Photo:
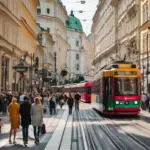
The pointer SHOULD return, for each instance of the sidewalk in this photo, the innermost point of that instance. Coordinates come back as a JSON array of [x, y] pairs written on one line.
[[51, 123], [61, 138]]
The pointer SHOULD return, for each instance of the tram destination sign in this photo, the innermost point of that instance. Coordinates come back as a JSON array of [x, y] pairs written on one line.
[[125, 73]]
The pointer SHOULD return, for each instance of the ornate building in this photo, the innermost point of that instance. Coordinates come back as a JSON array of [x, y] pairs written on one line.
[[52, 16], [116, 32], [145, 40], [17, 36], [77, 56], [104, 35]]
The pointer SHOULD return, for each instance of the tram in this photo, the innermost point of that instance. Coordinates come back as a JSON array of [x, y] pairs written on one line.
[[84, 89], [117, 89]]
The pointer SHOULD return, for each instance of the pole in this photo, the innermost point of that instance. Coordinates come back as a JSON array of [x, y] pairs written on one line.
[[55, 66], [147, 59], [31, 72], [20, 85]]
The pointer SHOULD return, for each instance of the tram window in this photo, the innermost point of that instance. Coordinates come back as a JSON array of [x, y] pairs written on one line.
[[126, 86], [89, 90]]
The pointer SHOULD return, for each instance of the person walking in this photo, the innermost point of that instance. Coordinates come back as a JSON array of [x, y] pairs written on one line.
[[13, 110], [77, 98], [25, 112], [52, 105], [143, 98], [61, 101], [37, 118], [70, 103]]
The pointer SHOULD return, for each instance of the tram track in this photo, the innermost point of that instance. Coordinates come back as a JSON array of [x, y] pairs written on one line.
[[132, 136], [122, 141], [110, 139], [91, 141]]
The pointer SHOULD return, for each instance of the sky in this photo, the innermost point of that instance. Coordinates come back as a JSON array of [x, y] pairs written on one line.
[[89, 9]]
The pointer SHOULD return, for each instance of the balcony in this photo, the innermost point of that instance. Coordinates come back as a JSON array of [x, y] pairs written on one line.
[[114, 3]]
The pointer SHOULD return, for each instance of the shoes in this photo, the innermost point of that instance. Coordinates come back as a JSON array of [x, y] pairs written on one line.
[[14, 142], [10, 142]]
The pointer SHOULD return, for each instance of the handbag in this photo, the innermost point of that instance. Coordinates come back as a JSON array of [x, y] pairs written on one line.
[[43, 129]]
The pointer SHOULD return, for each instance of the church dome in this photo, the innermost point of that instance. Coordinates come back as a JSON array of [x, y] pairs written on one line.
[[74, 23]]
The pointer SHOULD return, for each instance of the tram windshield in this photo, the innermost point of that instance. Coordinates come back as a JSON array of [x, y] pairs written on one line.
[[126, 86]]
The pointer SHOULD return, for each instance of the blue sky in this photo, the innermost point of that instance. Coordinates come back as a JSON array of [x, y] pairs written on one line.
[[89, 8]]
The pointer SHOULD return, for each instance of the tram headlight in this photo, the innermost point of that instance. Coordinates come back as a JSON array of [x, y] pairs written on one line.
[[136, 102], [117, 102]]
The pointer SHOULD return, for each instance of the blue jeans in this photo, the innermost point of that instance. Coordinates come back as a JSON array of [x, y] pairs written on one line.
[[37, 131], [25, 133]]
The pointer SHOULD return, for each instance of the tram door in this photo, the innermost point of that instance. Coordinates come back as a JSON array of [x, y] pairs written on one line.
[[105, 92]]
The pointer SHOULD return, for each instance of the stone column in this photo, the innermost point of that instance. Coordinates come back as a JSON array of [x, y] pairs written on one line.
[[10, 74]]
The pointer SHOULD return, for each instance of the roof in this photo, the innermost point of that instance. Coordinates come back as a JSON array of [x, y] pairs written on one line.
[[74, 23]]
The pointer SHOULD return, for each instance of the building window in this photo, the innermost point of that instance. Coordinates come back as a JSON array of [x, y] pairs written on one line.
[[145, 42], [77, 43], [38, 10], [48, 29], [145, 12], [77, 56], [48, 11], [77, 67]]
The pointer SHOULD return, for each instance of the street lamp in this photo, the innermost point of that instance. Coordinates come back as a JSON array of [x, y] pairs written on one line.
[[21, 68]]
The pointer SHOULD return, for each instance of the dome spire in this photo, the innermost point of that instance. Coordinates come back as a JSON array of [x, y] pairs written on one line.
[[71, 14]]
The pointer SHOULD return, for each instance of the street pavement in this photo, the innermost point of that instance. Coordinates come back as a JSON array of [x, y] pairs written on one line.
[[85, 130], [51, 122]]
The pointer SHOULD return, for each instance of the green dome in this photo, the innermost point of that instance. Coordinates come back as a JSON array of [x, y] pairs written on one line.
[[59, 1], [74, 23]]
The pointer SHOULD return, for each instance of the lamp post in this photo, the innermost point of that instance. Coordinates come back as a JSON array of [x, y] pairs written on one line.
[[21, 68]]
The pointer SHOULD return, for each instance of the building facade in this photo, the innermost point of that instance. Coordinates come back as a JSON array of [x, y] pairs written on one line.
[[18, 36], [77, 56], [52, 16], [116, 32], [145, 40], [104, 35], [9, 41]]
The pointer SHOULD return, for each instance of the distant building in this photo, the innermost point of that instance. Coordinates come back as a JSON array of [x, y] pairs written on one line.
[[52, 16], [78, 54]]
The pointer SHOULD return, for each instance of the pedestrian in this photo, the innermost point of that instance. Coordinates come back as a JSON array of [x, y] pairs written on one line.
[[61, 100], [143, 98], [13, 110], [77, 98], [25, 112], [1, 104], [4, 104], [37, 118], [52, 105], [70, 103], [21, 98]]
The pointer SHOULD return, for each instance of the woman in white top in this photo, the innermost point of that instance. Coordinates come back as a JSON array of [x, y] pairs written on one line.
[[37, 118]]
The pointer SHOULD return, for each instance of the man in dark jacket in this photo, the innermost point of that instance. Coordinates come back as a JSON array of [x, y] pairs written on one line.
[[77, 98], [70, 103], [24, 111]]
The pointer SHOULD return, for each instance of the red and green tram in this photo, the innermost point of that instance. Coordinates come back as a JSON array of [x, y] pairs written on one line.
[[117, 90]]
